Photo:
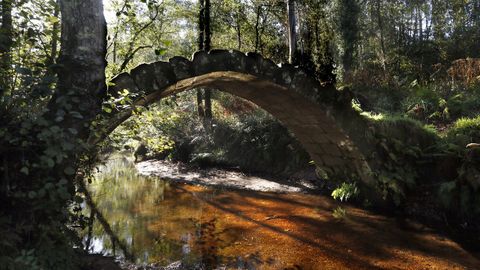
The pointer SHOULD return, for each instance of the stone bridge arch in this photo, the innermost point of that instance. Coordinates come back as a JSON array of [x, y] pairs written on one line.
[[321, 118]]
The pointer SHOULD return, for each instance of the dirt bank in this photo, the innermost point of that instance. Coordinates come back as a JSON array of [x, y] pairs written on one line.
[[213, 177]]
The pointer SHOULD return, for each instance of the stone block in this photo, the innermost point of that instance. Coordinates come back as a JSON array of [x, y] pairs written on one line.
[[218, 60], [285, 75], [253, 64], [320, 139], [237, 61], [182, 67], [331, 149], [268, 69], [334, 162], [121, 82], [201, 63], [164, 75], [144, 77]]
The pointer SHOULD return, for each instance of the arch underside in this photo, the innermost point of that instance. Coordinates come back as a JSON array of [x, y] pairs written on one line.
[[287, 93]]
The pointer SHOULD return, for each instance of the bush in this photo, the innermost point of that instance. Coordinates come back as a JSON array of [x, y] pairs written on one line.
[[464, 131], [400, 145], [257, 142], [345, 192], [462, 195]]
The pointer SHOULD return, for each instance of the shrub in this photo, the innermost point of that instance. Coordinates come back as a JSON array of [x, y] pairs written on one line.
[[461, 196], [400, 145], [345, 192], [464, 131]]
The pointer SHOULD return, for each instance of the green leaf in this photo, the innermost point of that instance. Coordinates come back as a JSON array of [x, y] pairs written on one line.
[[76, 114], [53, 19], [78, 199], [41, 193], [160, 51], [107, 109], [32, 194], [69, 171], [67, 146], [24, 170], [50, 162], [73, 131]]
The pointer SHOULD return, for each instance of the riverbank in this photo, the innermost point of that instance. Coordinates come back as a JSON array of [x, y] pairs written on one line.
[[230, 179]]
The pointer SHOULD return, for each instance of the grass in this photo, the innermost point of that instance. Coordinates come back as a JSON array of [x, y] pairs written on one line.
[[464, 131]]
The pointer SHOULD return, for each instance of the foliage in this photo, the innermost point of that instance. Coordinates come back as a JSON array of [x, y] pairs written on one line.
[[39, 154], [465, 131], [461, 195], [144, 31], [401, 144], [40, 203], [241, 135], [339, 213], [345, 192], [149, 128], [437, 103], [416, 59]]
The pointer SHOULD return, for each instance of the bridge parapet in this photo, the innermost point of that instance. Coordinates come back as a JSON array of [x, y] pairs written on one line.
[[156, 76]]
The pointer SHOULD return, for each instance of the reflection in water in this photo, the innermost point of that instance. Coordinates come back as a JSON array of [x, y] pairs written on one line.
[[161, 222], [157, 221]]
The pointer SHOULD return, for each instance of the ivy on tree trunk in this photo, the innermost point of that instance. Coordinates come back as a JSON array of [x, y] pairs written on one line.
[[6, 42], [81, 80]]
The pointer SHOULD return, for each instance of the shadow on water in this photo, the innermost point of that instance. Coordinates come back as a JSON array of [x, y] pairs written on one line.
[[148, 220]]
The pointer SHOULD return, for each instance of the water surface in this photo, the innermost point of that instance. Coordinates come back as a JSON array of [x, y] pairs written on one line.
[[160, 222]]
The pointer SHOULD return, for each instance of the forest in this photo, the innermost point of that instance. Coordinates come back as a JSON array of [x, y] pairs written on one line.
[[239, 134]]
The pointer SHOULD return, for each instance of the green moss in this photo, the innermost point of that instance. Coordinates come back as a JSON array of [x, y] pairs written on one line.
[[407, 130], [464, 131], [468, 126]]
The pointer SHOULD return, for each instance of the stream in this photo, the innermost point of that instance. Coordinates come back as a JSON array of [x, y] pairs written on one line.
[[185, 223]]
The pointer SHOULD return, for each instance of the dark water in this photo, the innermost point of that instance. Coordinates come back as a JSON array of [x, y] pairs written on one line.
[[156, 222]]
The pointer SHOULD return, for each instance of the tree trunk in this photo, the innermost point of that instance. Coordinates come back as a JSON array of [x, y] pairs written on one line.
[[201, 111], [238, 28], [207, 46], [208, 31], [348, 26], [382, 39], [55, 37], [201, 29], [257, 30], [208, 104], [81, 81], [6, 32], [291, 30], [201, 24]]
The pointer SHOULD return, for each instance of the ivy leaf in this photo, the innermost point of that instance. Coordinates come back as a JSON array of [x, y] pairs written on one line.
[[76, 114], [69, 171], [32, 194], [107, 109], [50, 162], [24, 170], [53, 19], [78, 199], [160, 51]]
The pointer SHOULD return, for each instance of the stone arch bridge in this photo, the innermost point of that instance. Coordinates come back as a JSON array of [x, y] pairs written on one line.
[[321, 118]]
